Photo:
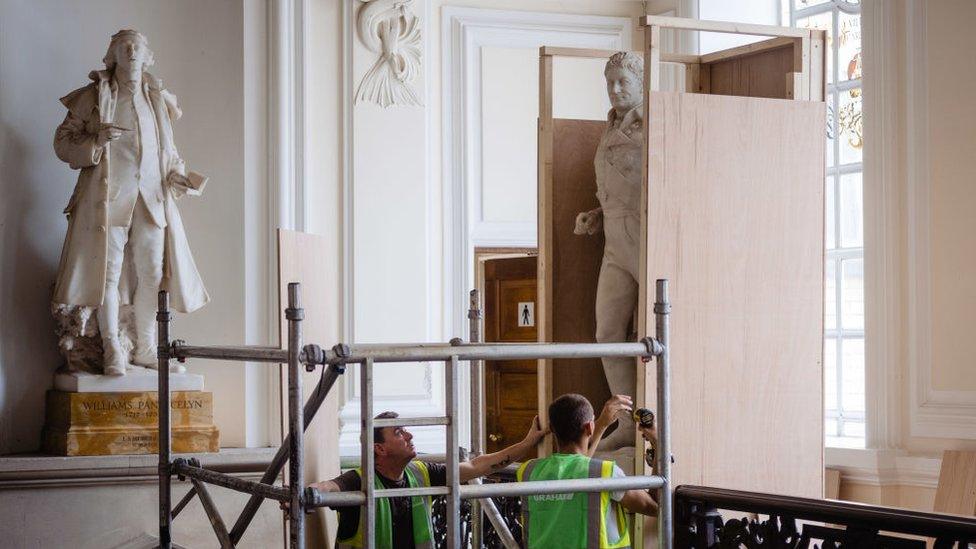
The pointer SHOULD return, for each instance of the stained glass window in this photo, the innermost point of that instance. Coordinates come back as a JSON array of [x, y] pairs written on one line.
[[844, 235]]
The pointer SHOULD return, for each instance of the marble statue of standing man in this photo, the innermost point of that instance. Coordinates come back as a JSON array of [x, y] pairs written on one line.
[[618, 180], [125, 239]]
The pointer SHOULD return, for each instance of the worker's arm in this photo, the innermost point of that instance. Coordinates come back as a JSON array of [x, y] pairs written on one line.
[[346, 482], [489, 463], [639, 501], [616, 405], [650, 435], [326, 486]]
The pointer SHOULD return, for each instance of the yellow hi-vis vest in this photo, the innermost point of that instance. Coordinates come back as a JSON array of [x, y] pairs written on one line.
[[420, 506], [571, 521]]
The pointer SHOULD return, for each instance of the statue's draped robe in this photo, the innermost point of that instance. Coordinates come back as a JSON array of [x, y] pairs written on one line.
[[81, 273]]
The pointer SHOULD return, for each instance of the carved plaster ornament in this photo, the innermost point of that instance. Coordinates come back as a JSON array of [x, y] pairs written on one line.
[[389, 28]]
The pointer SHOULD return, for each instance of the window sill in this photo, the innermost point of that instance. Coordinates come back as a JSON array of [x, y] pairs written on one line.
[[32, 470], [884, 467]]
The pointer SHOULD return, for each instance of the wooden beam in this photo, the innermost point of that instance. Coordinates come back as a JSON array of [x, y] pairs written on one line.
[[682, 23], [679, 58], [693, 78], [748, 49], [545, 259], [652, 58], [817, 60], [575, 52]]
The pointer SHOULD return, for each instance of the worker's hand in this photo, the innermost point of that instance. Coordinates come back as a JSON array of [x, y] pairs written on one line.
[[536, 432], [618, 404], [649, 434], [590, 222]]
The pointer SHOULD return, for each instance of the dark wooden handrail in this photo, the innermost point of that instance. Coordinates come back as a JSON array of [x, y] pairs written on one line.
[[854, 516]]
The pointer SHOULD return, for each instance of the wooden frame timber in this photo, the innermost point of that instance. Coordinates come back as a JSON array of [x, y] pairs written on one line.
[[689, 198]]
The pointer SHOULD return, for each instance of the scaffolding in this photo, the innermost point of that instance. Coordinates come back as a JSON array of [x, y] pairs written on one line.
[[300, 498]]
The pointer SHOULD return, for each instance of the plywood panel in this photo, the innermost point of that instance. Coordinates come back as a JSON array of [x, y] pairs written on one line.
[[760, 74], [735, 221], [956, 492], [303, 258], [575, 258]]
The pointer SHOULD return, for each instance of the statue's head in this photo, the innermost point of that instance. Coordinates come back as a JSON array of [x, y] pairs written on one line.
[[625, 80], [129, 52]]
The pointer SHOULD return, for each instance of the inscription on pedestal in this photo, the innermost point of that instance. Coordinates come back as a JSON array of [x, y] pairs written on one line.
[[88, 424]]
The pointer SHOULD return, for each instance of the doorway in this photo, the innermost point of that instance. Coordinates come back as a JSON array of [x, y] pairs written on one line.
[[508, 282]]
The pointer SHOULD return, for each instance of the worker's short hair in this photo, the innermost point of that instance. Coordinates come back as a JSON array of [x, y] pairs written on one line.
[[567, 416], [378, 431]]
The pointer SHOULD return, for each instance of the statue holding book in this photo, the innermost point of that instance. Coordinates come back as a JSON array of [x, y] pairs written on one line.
[[125, 238]]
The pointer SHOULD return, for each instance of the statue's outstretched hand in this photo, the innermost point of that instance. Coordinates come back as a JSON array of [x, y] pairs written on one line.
[[107, 134], [590, 222]]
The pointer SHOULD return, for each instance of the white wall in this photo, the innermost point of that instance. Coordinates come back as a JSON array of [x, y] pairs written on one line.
[[918, 249], [47, 49], [510, 109], [940, 388], [764, 12], [105, 515]]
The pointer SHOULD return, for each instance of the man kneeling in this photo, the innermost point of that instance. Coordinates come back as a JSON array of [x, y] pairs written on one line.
[[405, 522], [580, 520]]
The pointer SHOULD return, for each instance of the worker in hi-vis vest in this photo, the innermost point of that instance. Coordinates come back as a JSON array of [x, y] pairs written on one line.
[[405, 522], [593, 520]]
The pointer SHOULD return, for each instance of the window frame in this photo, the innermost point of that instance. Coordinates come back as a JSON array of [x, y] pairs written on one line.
[[835, 254]]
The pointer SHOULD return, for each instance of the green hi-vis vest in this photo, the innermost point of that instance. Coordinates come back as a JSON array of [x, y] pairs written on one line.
[[571, 521], [423, 529]]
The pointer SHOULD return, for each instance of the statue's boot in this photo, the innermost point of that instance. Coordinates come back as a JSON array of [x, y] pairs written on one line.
[[114, 357], [622, 378], [145, 355]]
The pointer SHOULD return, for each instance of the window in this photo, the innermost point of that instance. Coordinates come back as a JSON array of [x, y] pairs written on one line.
[[844, 288]]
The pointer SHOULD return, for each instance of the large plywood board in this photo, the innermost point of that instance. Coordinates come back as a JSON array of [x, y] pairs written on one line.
[[303, 258], [735, 221], [956, 492], [573, 260]]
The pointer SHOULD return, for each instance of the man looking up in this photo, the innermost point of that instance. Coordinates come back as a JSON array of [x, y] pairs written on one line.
[[405, 522], [579, 520]]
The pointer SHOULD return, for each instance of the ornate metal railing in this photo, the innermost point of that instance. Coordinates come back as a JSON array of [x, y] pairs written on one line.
[[509, 507], [793, 523]]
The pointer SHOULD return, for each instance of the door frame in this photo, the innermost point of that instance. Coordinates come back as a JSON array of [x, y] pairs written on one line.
[[478, 414]]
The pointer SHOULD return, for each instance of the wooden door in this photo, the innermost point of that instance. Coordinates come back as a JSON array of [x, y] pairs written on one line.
[[510, 385]]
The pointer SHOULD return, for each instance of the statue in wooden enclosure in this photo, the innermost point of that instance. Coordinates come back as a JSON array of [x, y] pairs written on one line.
[[618, 179]]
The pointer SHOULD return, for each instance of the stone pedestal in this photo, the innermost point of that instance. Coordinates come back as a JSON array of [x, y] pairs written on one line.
[[110, 423]]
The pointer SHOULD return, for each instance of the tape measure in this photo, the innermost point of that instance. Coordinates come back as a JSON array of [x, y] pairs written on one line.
[[644, 417]]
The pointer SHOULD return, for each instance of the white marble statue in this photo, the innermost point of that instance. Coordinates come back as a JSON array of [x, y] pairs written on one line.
[[618, 180], [125, 239]]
